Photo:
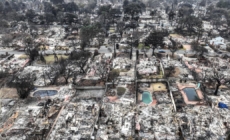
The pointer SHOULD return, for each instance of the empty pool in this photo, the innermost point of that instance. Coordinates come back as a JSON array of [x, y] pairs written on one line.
[[191, 94], [43, 93], [146, 97]]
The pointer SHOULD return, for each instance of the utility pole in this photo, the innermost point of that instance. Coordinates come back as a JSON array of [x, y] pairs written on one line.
[[114, 38], [131, 46]]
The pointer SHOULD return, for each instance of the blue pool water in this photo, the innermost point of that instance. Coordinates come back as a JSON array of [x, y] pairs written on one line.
[[43, 93], [146, 97], [191, 94]]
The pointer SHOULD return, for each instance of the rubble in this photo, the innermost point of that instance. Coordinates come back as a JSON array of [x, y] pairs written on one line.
[[76, 121], [161, 76]]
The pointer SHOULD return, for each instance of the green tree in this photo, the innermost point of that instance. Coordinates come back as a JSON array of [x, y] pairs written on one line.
[[70, 18], [203, 3], [120, 27], [125, 3], [70, 7], [185, 10], [175, 2], [30, 14], [223, 4], [104, 12], [153, 3], [87, 33], [190, 23], [1, 7], [155, 39], [50, 18], [57, 1], [113, 12], [133, 9]]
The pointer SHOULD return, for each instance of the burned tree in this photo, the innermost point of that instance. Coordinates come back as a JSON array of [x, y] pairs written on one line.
[[42, 58], [80, 58], [52, 74], [102, 70], [6, 40], [219, 78], [100, 39], [200, 50], [113, 76], [67, 75], [28, 41], [215, 76], [81, 64], [169, 71], [174, 47], [33, 54], [64, 70], [75, 74], [133, 9], [23, 84], [3, 74], [55, 57]]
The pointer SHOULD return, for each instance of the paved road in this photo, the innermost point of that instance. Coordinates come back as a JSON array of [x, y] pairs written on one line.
[[3, 51], [105, 50], [10, 52]]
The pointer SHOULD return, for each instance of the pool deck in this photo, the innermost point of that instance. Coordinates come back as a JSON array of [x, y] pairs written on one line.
[[154, 87], [198, 91]]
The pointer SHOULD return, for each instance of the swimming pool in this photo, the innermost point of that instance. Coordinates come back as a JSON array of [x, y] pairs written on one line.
[[191, 94], [146, 97], [43, 93]]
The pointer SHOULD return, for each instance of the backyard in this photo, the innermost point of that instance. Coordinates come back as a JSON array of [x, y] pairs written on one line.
[[50, 59]]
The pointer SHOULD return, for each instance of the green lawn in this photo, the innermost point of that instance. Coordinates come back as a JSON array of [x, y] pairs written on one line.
[[120, 91], [50, 58], [141, 45], [23, 56], [111, 30]]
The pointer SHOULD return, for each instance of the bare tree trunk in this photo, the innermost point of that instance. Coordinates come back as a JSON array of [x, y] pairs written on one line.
[[173, 54], [153, 53], [113, 83], [131, 52], [217, 87], [114, 47], [66, 80]]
